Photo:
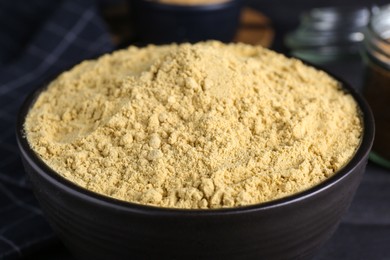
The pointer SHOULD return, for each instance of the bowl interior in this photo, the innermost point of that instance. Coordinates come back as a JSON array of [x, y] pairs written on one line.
[[52, 176]]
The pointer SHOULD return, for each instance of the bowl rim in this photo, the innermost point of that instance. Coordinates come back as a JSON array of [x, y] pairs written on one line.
[[189, 8], [66, 185]]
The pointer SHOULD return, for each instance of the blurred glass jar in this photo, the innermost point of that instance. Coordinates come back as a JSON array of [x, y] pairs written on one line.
[[376, 87], [328, 34]]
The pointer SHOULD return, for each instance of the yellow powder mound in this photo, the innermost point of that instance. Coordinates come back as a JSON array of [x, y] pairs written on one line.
[[195, 126]]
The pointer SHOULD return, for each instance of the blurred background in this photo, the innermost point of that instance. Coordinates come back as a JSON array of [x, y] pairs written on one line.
[[41, 38]]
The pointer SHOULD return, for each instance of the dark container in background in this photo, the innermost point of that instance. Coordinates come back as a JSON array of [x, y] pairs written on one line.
[[376, 53], [161, 23]]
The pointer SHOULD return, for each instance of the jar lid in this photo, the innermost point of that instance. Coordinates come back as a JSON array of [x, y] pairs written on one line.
[[377, 35]]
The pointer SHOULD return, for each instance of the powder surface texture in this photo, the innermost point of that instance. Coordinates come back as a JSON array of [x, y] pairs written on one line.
[[200, 126]]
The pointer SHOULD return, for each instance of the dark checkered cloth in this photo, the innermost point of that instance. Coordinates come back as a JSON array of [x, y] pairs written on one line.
[[38, 39]]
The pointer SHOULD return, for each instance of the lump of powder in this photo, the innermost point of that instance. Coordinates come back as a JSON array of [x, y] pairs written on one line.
[[207, 125]]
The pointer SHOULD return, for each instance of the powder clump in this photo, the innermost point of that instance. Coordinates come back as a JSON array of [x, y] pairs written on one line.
[[208, 125]]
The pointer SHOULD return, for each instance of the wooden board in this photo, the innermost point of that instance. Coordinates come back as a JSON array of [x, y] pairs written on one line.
[[255, 28]]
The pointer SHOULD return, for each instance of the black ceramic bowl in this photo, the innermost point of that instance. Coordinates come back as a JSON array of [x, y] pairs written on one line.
[[93, 226], [160, 23]]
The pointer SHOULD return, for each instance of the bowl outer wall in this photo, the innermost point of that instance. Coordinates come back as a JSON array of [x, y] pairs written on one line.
[[95, 226]]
